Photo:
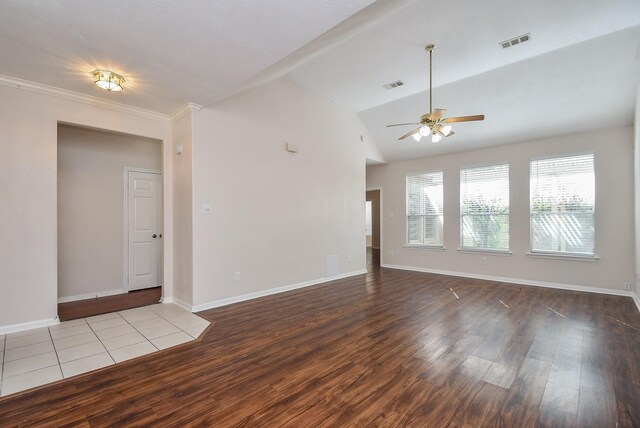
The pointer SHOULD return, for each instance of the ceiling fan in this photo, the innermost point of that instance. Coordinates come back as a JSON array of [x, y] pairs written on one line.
[[433, 123]]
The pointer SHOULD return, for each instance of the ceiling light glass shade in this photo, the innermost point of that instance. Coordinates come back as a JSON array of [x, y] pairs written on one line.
[[108, 80], [446, 130], [417, 136], [436, 137], [424, 131]]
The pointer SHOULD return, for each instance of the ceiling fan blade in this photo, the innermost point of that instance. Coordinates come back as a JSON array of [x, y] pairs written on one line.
[[402, 124], [464, 118], [437, 113], [409, 134]]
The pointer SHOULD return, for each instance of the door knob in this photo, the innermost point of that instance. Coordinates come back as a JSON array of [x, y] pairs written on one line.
[[154, 236]]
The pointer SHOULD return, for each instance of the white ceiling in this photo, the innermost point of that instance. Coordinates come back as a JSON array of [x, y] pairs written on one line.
[[170, 51], [588, 86], [579, 71], [466, 33]]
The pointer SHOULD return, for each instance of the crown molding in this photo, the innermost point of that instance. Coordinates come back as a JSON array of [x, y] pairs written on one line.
[[25, 85], [184, 109]]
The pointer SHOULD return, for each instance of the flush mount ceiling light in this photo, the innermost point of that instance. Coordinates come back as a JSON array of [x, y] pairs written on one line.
[[433, 124], [108, 80]]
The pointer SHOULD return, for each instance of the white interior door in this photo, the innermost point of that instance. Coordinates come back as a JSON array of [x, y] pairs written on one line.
[[144, 230]]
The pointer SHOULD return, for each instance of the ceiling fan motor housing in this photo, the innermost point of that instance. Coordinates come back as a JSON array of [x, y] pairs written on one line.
[[426, 119]]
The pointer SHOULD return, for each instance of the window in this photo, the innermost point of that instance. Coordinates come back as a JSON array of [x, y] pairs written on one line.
[[424, 209], [563, 205], [484, 196]]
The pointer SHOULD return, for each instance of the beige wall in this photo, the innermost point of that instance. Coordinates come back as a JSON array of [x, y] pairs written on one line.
[[276, 215], [28, 191], [183, 210], [374, 197], [91, 206], [613, 150]]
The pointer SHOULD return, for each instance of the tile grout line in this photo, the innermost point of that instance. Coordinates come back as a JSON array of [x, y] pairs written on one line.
[[194, 338], [24, 346], [140, 333], [56, 351], [100, 340]]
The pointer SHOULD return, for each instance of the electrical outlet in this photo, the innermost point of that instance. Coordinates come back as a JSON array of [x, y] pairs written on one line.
[[483, 260], [627, 286], [236, 276]]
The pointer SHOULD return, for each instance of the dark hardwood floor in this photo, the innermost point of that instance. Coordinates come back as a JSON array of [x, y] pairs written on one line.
[[373, 258], [102, 305], [390, 348]]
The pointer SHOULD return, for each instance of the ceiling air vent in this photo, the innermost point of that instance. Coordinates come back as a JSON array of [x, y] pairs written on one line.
[[393, 85], [515, 41]]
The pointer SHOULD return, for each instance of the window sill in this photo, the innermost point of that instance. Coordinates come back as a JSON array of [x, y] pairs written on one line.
[[424, 247], [556, 256], [485, 251]]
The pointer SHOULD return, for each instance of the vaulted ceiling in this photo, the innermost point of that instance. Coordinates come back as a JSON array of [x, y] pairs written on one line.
[[578, 72]]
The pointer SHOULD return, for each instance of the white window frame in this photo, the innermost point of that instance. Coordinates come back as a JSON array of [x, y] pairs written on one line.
[[560, 254], [406, 217]]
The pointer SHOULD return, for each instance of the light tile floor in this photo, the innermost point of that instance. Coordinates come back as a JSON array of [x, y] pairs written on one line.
[[35, 357]]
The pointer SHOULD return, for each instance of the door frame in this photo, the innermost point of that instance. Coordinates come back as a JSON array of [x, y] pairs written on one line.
[[381, 211], [125, 274]]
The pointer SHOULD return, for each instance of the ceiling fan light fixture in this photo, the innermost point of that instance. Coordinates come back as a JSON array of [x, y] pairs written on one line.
[[436, 137], [446, 130], [108, 80], [425, 131], [417, 136]]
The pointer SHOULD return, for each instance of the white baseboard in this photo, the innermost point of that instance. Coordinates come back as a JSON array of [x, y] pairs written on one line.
[[166, 300], [13, 328], [263, 293], [182, 304], [91, 295], [520, 281], [636, 299]]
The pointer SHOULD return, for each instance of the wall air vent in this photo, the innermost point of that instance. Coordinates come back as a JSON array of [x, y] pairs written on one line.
[[515, 41], [393, 85]]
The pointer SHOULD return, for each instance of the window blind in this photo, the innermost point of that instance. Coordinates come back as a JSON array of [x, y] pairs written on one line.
[[425, 209], [562, 193], [484, 195]]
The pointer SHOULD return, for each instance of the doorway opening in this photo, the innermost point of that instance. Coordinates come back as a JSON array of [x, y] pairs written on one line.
[[110, 221], [373, 201]]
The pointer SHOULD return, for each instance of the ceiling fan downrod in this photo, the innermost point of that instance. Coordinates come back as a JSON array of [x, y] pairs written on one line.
[[430, 48]]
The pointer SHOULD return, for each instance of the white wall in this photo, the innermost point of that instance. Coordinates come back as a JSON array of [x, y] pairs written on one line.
[[91, 206], [28, 195], [182, 210], [636, 163], [276, 215], [614, 241]]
